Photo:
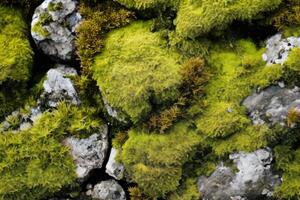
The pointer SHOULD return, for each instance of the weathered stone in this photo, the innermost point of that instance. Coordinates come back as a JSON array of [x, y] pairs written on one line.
[[278, 48], [113, 168], [108, 190], [272, 104], [89, 153], [53, 28], [254, 178], [58, 86]]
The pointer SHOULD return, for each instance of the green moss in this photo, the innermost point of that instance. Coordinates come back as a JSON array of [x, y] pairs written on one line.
[[287, 160], [238, 69], [136, 68], [155, 161], [189, 191], [146, 4], [293, 61], [16, 59], [55, 6], [34, 163], [199, 17], [38, 28]]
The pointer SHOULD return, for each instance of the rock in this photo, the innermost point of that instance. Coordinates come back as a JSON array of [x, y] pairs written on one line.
[[53, 28], [113, 168], [278, 48], [272, 104], [89, 153], [108, 190], [59, 87], [253, 180]]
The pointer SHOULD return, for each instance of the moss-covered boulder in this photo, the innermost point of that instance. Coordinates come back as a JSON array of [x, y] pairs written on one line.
[[155, 161], [15, 58], [199, 17], [137, 70]]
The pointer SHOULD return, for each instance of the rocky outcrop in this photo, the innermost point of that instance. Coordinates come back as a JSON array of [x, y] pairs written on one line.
[[253, 178], [108, 190], [89, 153], [272, 104], [53, 28], [113, 168], [278, 48], [58, 86]]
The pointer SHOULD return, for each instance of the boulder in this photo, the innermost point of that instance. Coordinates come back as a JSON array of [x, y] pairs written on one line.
[[113, 168], [108, 190], [89, 153], [272, 104], [53, 28], [58, 86], [278, 48], [252, 179]]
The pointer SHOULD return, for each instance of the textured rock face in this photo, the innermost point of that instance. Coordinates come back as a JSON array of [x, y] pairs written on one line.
[[272, 104], [254, 178], [53, 28], [113, 168], [278, 48], [108, 190], [89, 153], [59, 87]]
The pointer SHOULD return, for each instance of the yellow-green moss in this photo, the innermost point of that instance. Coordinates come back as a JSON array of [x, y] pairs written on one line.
[[136, 70]]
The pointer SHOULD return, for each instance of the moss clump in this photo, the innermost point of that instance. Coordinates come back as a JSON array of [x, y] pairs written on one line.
[[146, 4], [189, 191], [238, 70], [199, 17], [136, 70], [293, 61], [55, 6], [155, 161], [16, 58], [34, 163]]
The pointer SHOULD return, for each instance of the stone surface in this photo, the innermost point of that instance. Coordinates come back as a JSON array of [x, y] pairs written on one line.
[[272, 104], [89, 153], [55, 36], [113, 168], [278, 48], [253, 179], [108, 190], [58, 86]]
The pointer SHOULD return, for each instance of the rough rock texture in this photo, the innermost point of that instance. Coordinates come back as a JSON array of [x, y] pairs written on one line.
[[108, 190], [53, 28], [89, 153], [272, 104], [56, 87], [113, 168], [278, 48], [59, 87], [254, 178]]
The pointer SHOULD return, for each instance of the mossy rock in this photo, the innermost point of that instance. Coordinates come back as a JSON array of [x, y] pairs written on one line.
[[137, 70], [16, 59], [155, 161], [199, 17]]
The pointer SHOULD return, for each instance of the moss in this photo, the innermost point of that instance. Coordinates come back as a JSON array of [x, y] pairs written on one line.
[[155, 161], [55, 6], [287, 160], [189, 191], [146, 4], [238, 69], [39, 29], [195, 18], [16, 59], [35, 160], [137, 69], [293, 60]]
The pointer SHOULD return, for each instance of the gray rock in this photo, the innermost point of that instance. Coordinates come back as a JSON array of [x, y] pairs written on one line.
[[272, 104], [89, 153], [108, 190], [278, 48], [254, 178], [113, 168], [53, 28], [58, 86]]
